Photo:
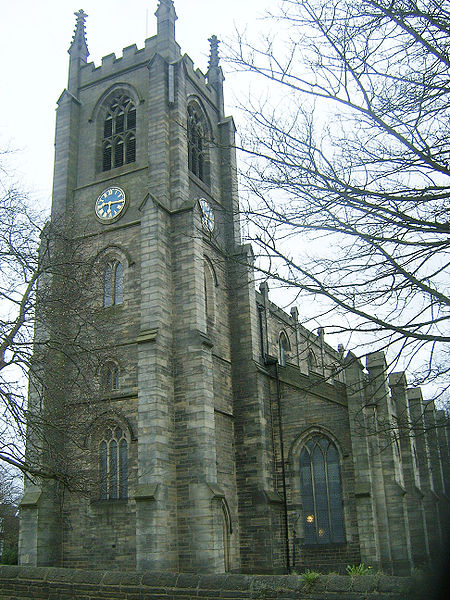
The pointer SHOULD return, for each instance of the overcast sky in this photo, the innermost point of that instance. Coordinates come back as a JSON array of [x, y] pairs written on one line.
[[35, 36]]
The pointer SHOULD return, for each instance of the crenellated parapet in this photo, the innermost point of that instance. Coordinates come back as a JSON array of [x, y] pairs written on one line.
[[133, 58], [83, 74]]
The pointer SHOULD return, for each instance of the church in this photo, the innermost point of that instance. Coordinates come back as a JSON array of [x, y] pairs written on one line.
[[224, 435]]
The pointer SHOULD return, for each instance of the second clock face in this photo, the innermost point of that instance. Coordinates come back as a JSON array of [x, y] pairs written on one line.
[[207, 215], [110, 204]]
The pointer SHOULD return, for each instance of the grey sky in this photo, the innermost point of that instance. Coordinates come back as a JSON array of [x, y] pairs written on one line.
[[35, 36]]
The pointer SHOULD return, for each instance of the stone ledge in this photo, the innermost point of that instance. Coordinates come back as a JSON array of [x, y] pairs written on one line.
[[146, 491], [147, 336], [31, 497], [27, 583]]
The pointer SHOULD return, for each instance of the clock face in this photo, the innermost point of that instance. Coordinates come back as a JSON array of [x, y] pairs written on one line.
[[110, 204], [207, 215]]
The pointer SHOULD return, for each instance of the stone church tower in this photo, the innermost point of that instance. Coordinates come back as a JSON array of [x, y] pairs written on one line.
[[223, 436]]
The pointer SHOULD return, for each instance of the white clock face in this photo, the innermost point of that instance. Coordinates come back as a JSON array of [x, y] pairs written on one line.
[[207, 215], [110, 205]]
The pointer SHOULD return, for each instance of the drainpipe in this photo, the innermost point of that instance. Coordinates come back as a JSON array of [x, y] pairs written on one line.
[[283, 470]]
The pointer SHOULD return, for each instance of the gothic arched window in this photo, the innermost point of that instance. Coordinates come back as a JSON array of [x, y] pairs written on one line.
[[226, 529], [119, 133], [113, 464], [283, 348], [320, 487], [312, 362], [196, 142], [113, 284], [111, 376], [210, 283]]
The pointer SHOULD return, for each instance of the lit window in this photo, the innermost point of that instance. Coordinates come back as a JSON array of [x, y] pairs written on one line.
[[320, 485], [113, 284], [119, 134], [113, 464]]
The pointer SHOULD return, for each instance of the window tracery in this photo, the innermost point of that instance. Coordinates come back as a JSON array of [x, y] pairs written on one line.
[[196, 142], [320, 486], [113, 284], [119, 133], [111, 374], [113, 453]]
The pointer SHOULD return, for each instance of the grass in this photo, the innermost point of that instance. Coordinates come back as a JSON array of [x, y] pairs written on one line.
[[357, 570]]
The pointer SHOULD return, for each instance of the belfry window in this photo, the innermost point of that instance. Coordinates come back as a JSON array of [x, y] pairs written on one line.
[[320, 486], [113, 464], [196, 138], [119, 134], [113, 284]]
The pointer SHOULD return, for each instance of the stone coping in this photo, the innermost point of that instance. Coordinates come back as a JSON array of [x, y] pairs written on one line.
[[23, 580]]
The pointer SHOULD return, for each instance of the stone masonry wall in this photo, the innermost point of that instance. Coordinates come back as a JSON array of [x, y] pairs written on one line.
[[23, 583], [305, 411]]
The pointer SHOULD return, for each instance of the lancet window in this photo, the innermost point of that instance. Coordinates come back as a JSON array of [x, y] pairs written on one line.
[[111, 376], [210, 293], [113, 284], [312, 362], [283, 348]]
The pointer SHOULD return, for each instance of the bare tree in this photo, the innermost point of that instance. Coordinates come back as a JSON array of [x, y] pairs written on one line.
[[349, 169], [50, 347], [10, 492]]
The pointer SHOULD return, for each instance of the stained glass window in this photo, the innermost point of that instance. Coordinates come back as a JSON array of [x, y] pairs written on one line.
[[321, 492]]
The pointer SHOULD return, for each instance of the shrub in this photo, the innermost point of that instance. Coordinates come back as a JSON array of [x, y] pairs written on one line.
[[9, 555], [309, 577], [360, 569]]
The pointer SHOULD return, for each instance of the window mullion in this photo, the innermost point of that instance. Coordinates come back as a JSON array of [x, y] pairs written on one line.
[[330, 521], [113, 283], [313, 485], [118, 469], [108, 471]]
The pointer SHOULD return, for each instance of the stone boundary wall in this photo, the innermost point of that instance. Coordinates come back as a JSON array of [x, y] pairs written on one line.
[[45, 583]]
